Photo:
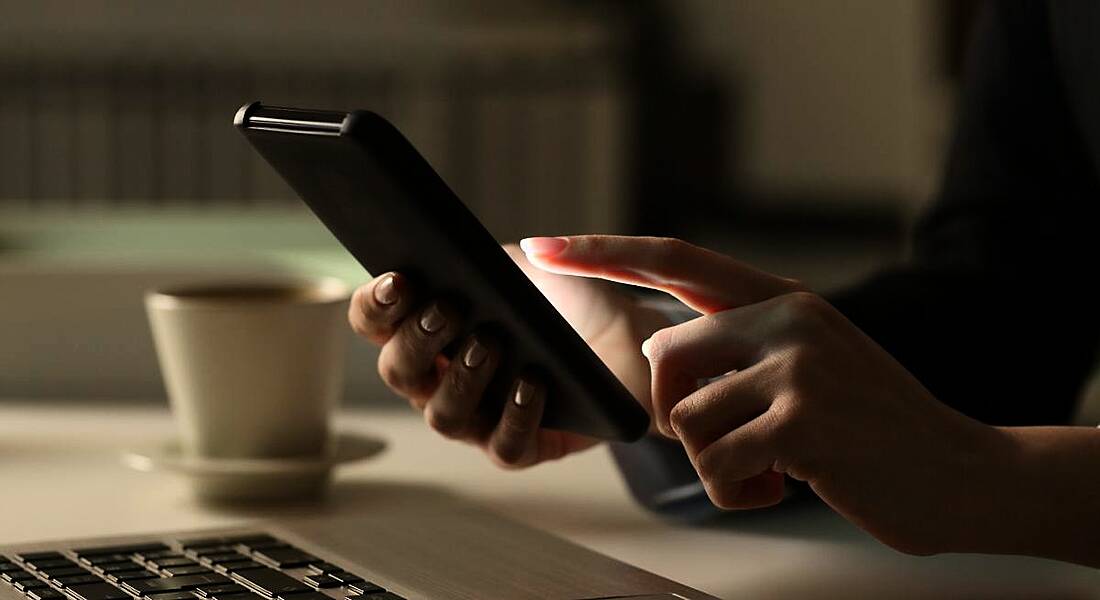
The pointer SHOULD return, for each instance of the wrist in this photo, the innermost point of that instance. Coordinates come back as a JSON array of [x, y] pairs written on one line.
[[988, 494], [1046, 504], [972, 485]]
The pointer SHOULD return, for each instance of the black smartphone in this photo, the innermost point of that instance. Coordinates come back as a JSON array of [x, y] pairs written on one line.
[[392, 212]]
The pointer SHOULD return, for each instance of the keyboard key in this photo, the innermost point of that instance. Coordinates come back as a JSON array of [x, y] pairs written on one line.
[[271, 582], [324, 567], [63, 572], [381, 596], [45, 594], [238, 596], [224, 557], [174, 584], [30, 584], [181, 561], [185, 570], [345, 577], [365, 587], [306, 596], [263, 544], [49, 563], [128, 549], [131, 575], [97, 591], [33, 556], [156, 554], [323, 581], [285, 558], [72, 580], [243, 565], [170, 596], [214, 550], [14, 576], [96, 560], [228, 541], [226, 588], [5, 567], [116, 567], [241, 594]]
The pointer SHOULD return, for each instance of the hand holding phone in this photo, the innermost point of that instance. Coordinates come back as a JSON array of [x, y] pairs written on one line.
[[448, 391], [387, 206]]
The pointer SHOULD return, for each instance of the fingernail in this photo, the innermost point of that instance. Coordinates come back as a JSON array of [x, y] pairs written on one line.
[[645, 347], [543, 246], [525, 393], [432, 320], [475, 355], [386, 292]]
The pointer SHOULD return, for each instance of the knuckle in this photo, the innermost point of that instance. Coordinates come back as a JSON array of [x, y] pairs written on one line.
[[508, 452], [515, 426], [444, 422], [670, 249], [359, 300], [444, 413], [680, 417], [411, 341], [357, 316], [459, 386], [805, 305], [723, 494], [708, 464], [784, 425], [671, 245], [391, 375], [397, 372], [803, 369], [359, 326], [795, 284]]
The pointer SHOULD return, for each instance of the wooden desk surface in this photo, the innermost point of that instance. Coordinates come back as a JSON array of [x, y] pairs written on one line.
[[61, 477]]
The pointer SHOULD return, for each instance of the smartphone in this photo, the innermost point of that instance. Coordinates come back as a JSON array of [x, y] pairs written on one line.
[[392, 212]]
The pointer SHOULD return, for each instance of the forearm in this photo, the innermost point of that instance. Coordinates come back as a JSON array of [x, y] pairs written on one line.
[[1042, 497]]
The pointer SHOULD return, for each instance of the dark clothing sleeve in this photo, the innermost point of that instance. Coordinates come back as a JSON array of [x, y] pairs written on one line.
[[994, 311]]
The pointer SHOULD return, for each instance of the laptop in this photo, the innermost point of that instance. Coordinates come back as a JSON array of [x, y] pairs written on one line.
[[417, 550]]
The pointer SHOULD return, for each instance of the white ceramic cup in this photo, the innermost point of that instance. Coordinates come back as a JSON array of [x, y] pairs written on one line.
[[252, 369]]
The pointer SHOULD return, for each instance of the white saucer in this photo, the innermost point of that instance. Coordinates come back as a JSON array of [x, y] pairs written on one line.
[[254, 479]]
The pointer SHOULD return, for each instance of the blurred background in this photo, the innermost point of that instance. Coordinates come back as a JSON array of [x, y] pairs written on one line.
[[801, 136]]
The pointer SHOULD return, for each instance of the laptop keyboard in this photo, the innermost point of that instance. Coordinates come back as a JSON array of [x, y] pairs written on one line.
[[246, 567]]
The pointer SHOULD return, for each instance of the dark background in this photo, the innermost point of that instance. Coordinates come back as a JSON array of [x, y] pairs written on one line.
[[802, 136]]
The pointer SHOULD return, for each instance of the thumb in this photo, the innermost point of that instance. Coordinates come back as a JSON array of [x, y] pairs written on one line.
[[704, 280]]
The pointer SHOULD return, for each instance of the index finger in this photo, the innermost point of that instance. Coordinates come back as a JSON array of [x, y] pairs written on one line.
[[702, 279]]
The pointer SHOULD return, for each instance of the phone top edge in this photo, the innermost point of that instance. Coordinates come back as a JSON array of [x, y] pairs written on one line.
[[257, 115]]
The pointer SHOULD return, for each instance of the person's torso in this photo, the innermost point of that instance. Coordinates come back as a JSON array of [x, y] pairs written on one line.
[[1075, 36]]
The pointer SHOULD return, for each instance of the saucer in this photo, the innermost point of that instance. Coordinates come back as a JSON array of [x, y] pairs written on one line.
[[255, 479]]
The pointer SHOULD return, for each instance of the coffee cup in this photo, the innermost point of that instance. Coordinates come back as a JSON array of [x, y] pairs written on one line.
[[253, 369]]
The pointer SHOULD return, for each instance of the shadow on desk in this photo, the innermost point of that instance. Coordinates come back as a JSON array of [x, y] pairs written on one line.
[[865, 568], [346, 498], [803, 518]]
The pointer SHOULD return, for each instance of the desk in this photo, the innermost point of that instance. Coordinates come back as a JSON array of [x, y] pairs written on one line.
[[61, 477]]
